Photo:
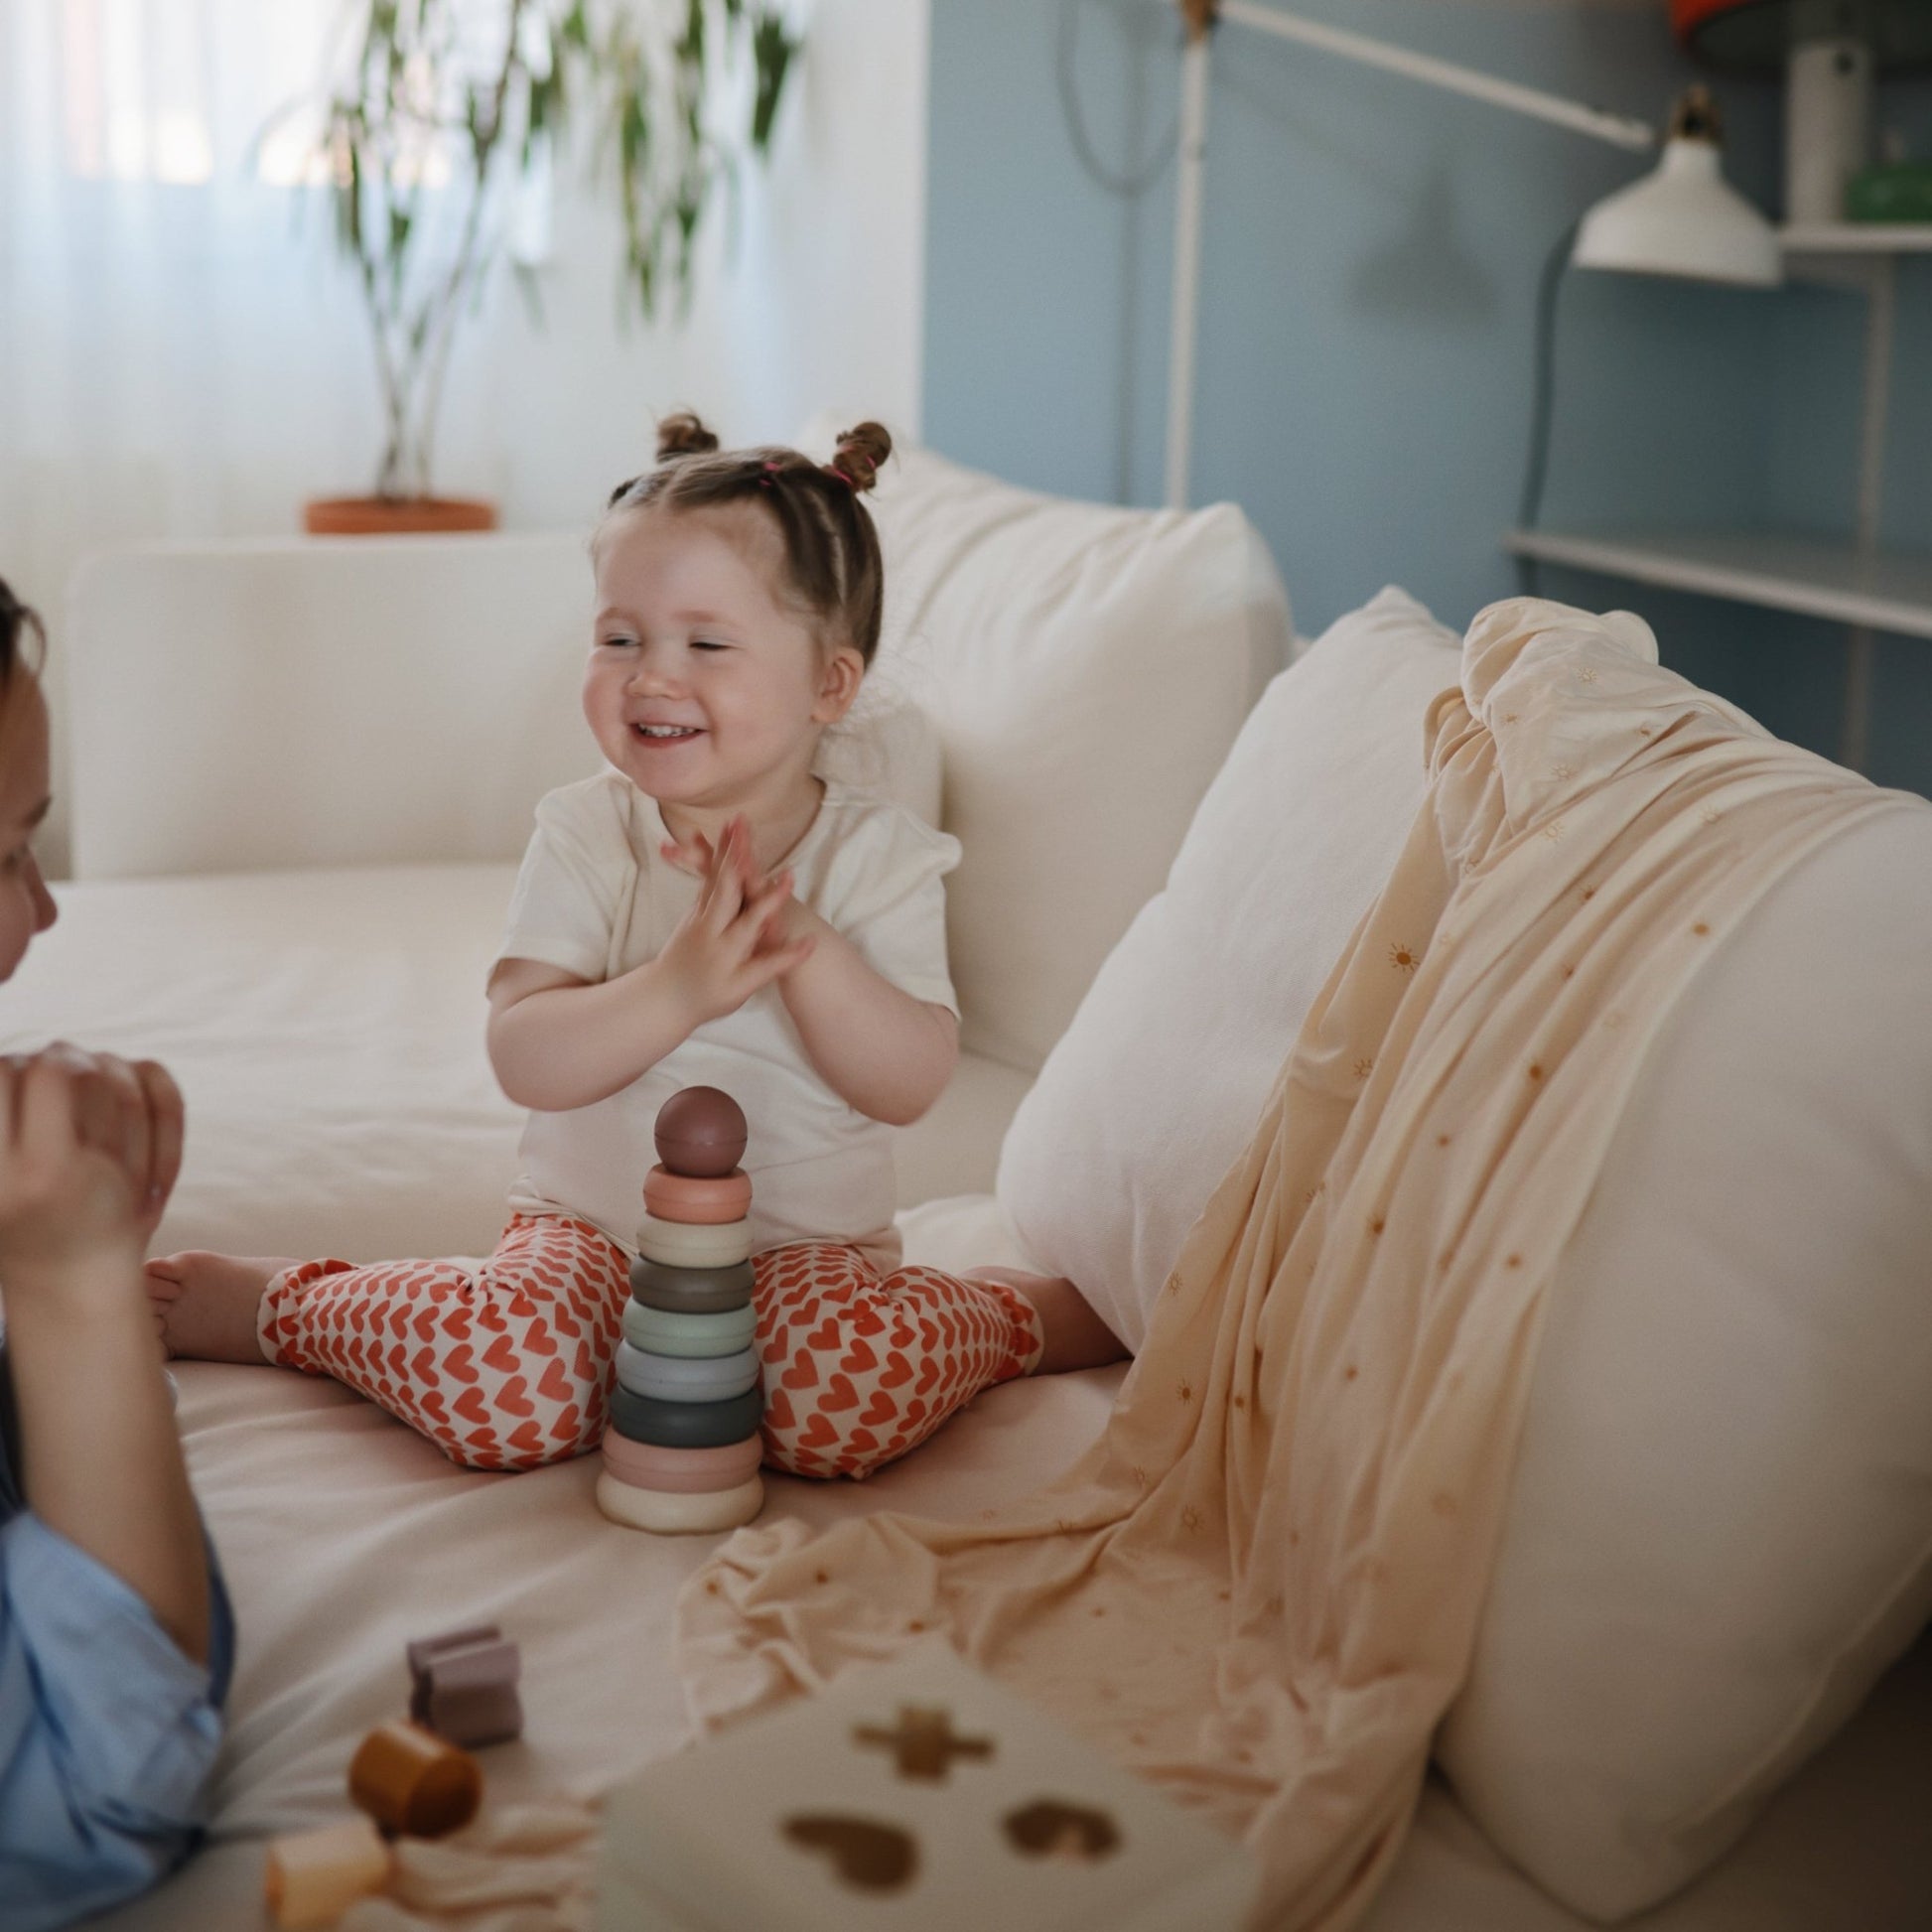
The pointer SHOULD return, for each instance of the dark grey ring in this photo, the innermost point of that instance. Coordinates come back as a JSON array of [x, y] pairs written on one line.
[[686, 1425], [691, 1290]]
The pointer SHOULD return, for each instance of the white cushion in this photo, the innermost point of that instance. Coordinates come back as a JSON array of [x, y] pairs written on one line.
[[1720, 1529], [1721, 1532], [1157, 1085], [1088, 668]]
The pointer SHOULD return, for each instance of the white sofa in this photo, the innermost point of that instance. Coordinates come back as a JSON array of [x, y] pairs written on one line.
[[301, 774]]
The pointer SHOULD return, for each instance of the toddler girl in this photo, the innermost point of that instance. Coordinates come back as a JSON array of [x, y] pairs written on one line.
[[706, 910]]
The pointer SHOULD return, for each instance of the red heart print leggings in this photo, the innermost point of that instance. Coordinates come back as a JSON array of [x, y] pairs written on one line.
[[505, 1365]]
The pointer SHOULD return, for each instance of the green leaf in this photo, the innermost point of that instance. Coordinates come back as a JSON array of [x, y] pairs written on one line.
[[773, 49]]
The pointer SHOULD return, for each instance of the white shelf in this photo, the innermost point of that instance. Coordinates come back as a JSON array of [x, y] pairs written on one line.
[[1858, 238], [1887, 592]]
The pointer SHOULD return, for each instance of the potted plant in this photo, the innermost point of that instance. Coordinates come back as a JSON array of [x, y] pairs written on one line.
[[448, 106]]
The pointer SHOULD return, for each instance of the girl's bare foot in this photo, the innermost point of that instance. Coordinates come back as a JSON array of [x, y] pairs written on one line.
[[204, 1304], [1075, 1337]]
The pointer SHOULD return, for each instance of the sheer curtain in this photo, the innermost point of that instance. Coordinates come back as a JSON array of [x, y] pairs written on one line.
[[179, 352], [183, 354]]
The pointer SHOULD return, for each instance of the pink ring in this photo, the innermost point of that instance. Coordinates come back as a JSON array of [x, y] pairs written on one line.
[[681, 1471], [696, 1198]]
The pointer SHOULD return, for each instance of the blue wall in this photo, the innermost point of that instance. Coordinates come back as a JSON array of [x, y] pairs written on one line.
[[1371, 255]]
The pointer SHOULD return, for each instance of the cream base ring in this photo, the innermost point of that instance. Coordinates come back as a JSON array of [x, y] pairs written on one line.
[[687, 1378], [670, 1514], [695, 1244], [646, 1466], [667, 1331]]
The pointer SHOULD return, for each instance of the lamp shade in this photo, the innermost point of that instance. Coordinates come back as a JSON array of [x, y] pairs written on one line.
[[1759, 34], [1682, 218]]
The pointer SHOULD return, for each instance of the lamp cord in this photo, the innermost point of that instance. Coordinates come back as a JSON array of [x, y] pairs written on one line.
[[1536, 469], [1129, 187]]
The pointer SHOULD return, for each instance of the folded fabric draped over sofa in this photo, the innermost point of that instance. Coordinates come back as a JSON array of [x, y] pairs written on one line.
[[1261, 1588]]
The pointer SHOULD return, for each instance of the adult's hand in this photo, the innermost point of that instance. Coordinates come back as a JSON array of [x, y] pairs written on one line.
[[90, 1146]]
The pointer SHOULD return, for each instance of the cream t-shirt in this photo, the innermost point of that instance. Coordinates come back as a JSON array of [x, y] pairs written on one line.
[[597, 899]]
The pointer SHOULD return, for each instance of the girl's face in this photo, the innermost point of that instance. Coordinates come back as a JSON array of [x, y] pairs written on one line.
[[26, 906], [702, 688]]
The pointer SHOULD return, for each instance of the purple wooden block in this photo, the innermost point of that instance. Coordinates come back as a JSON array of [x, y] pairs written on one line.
[[462, 1686]]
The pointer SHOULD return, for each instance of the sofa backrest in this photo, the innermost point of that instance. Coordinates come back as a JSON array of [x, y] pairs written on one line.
[[344, 701], [357, 701]]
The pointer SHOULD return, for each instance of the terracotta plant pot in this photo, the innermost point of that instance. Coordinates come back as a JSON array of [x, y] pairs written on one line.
[[395, 516]]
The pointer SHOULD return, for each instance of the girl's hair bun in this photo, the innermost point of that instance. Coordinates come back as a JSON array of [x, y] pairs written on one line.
[[683, 435], [860, 452]]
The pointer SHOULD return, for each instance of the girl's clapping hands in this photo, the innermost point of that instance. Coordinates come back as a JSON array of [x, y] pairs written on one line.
[[732, 943]]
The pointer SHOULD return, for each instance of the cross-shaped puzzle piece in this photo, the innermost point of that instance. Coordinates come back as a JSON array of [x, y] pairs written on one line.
[[924, 1741]]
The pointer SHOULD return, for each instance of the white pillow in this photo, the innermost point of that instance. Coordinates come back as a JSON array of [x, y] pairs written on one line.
[[1720, 1529], [1157, 1085], [1087, 668]]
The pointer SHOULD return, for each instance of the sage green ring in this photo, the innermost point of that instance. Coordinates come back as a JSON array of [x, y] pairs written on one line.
[[687, 1378], [671, 1331]]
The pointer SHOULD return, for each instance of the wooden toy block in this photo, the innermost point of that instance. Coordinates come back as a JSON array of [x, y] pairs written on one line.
[[915, 1797], [314, 1878], [462, 1686], [410, 1780]]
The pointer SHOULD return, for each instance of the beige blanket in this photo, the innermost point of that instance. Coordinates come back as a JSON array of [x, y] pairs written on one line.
[[1261, 1587]]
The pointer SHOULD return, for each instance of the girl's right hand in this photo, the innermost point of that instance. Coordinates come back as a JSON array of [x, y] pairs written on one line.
[[90, 1148], [725, 948]]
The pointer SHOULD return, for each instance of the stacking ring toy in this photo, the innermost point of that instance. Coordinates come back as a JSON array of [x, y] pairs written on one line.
[[645, 1465], [410, 1780], [685, 1424], [691, 1290], [695, 1244], [698, 1201], [680, 1378], [670, 1332], [672, 1514]]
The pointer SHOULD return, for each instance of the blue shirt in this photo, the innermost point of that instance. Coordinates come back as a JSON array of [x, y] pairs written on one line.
[[107, 1732]]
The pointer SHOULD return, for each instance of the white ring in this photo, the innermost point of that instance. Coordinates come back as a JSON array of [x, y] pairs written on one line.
[[695, 1244]]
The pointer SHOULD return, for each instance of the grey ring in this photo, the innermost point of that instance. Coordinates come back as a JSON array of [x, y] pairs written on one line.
[[686, 1425], [665, 1331], [684, 1378], [692, 1291]]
